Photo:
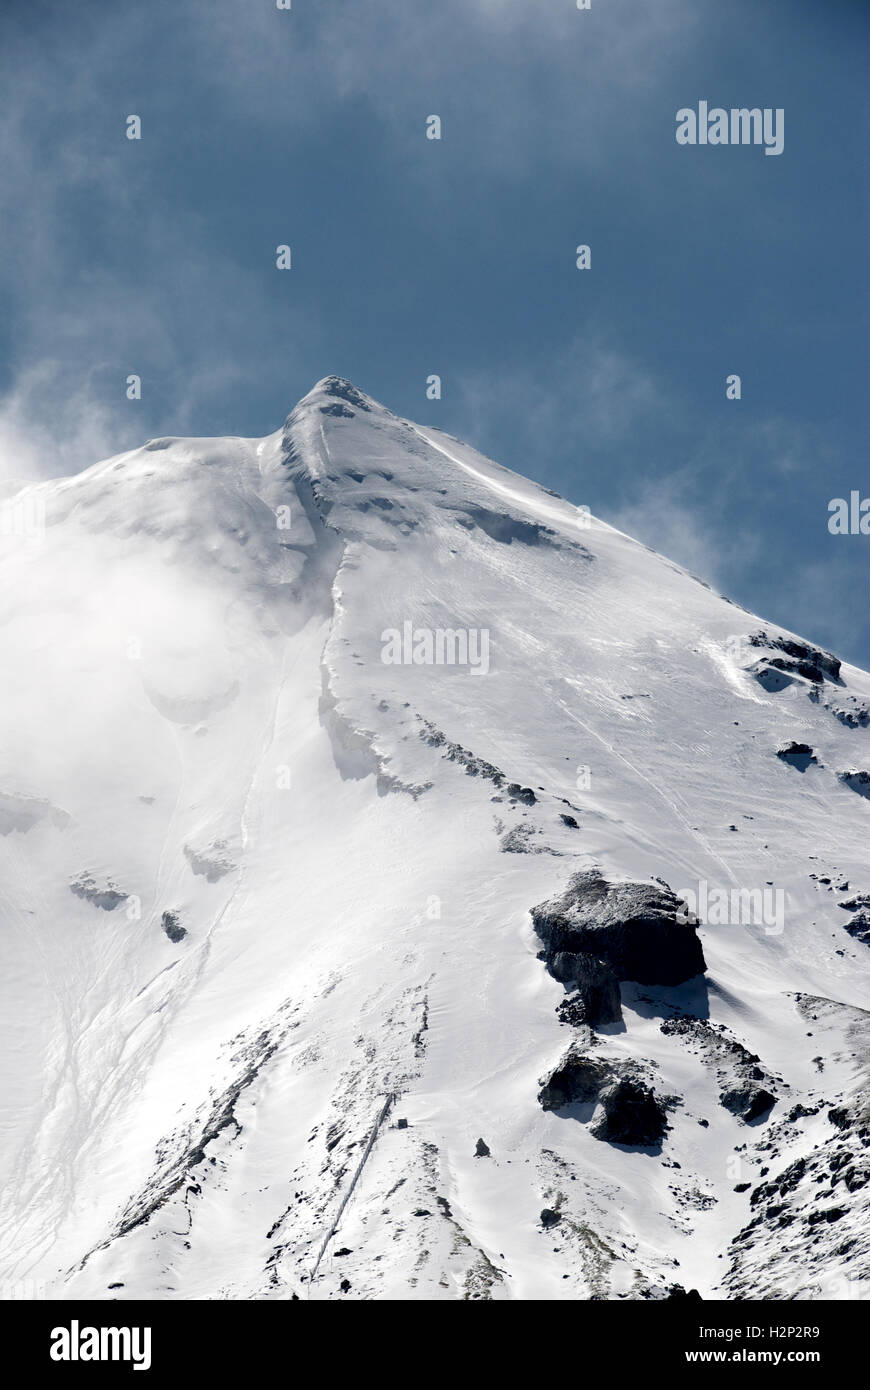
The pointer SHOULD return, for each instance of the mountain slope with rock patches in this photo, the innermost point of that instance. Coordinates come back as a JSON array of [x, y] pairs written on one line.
[[356, 793]]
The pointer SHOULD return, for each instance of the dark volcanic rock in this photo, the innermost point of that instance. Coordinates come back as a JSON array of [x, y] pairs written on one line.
[[632, 1114], [857, 780], [798, 755], [746, 1086], [633, 927], [677, 1291], [341, 389], [578, 1077], [171, 923], [518, 793], [856, 901], [572, 1010], [595, 982], [481, 1149], [747, 1099], [812, 663], [859, 927]]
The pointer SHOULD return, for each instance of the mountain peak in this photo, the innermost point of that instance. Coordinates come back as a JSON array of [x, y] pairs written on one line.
[[336, 395]]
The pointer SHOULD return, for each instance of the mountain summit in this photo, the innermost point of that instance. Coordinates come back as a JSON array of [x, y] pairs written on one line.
[[413, 887]]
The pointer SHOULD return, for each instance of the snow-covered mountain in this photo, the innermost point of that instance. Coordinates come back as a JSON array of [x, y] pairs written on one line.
[[359, 802]]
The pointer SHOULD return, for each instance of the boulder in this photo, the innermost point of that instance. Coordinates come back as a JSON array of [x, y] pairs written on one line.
[[747, 1099], [859, 927], [635, 928], [171, 923], [577, 1077], [799, 755], [632, 1114], [857, 780]]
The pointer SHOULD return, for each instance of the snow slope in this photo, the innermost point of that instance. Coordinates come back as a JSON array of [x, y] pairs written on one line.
[[269, 970]]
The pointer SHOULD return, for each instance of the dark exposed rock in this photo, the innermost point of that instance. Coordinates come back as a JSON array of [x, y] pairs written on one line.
[[171, 923], [595, 982], [856, 902], [747, 1100], [799, 1111], [219, 1119], [632, 1114], [857, 718], [857, 780], [802, 658], [660, 1293], [859, 927], [549, 1218], [481, 1149], [577, 1077], [505, 529], [341, 389], [825, 1214], [799, 755], [633, 927], [572, 1010], [518, 793], [743, 1079], [569, 821]]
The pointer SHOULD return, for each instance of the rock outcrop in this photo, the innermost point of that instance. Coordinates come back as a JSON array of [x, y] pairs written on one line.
[[799, 755], [578, 1078], [628, 1111], [797, 659], [745, 1086], [595, 983], [857, 780], [171, 924], [634, 928], [632, 1114]]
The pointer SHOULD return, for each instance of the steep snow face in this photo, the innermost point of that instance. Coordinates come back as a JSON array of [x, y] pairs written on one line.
[[296, 732]]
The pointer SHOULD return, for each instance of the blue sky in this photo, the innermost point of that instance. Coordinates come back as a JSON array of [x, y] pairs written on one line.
[[410, 256]]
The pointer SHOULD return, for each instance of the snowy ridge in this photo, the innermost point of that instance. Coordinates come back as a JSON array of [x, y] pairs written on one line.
[[256, 880]]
